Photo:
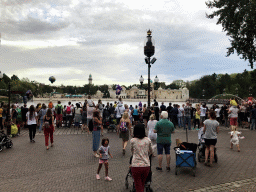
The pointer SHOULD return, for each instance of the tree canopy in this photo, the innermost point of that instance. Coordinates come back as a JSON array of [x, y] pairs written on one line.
[[238, 19]]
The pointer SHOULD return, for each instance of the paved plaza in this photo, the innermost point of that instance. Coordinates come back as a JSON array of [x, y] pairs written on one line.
[[71, 166]]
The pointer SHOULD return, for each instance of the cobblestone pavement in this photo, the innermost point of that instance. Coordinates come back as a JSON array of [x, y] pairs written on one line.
[[71, 166]]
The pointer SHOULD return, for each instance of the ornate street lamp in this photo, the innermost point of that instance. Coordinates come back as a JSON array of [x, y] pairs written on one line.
[[149, 51], [141, 81], [203, 91], [156, 80]]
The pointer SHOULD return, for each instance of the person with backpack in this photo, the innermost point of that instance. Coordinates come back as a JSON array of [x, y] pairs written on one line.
[[59, 114], [41, 115], [124, 130], [48, 127], [69, 113]]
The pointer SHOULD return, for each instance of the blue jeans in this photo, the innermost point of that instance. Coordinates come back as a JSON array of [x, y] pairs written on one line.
[[253, 124], [41, 124], [187, 121], [96, 140], [180, 121]]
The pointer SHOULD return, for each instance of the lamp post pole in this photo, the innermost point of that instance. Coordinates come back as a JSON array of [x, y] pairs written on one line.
[[149, 51]]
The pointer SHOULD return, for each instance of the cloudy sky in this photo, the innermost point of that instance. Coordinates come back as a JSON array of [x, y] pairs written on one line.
[[70, 39]]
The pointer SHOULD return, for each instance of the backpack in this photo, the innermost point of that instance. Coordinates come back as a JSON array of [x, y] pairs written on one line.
[[47, 123], [68, 111], [59, 109], [123, 127]]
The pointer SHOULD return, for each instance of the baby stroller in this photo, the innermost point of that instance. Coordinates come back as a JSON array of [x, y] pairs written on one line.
[[5, 141], [129, 183], [201, 147], [112, 123]]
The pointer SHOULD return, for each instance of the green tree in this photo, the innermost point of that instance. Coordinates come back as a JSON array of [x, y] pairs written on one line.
[[238, 19], [15, 78]]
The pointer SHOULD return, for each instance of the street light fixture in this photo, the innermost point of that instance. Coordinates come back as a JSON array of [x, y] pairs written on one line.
[[203, 91], [141, 81], [250, 91], [149, 51]]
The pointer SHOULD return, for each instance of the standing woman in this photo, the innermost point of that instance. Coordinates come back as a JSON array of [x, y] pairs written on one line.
[[135, 114], [97, 128], [31, 122], [14, 114], [48, 127], [125, 128], [145, 114], [84, 116], [151, 126], [141, 149], [211, 129]]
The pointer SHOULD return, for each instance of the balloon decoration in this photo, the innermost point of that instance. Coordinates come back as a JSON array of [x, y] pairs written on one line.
[[118, 90], [52, 79]]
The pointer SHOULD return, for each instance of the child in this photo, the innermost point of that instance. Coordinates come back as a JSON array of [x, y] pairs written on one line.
[[235, 139], [104, 152]]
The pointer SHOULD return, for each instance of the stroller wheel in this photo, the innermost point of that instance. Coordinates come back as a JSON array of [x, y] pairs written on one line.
[[9, 144], [126, 184], [148, 189]]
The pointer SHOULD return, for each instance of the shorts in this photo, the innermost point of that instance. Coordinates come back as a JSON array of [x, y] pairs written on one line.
[[103, 161], [118, 120], [59, 117], [165, 146], [209, 142], [233, 121]]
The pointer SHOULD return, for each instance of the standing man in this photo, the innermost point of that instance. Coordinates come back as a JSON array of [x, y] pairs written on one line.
[[187, 116], [156, 109], [119, 113], [253, 117], [69, 113], [162, 107], [164, 128], [168, 109], [59, 117]]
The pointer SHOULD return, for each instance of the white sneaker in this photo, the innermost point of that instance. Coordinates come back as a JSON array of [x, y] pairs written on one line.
[[97, 176], [108, 178]]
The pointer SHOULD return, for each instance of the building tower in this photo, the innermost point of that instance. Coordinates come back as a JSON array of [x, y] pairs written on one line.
[[90, 79]]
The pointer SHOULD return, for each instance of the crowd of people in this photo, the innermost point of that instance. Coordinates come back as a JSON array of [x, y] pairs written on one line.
[[149, 126]]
